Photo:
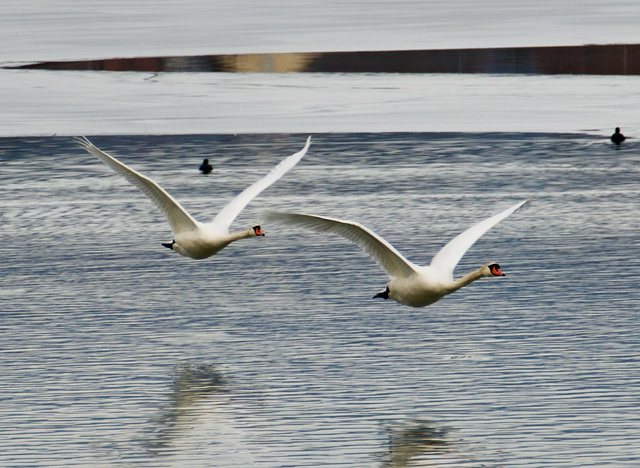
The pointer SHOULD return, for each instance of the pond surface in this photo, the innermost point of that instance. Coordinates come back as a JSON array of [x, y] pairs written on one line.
[[273, 353]]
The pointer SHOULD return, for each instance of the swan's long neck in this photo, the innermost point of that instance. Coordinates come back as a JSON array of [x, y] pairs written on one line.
[[234, 236], [469, 278]]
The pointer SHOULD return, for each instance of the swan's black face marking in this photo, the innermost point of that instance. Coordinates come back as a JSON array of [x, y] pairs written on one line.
[[169, 246], [384, 294], [258, 231], [494, 268]]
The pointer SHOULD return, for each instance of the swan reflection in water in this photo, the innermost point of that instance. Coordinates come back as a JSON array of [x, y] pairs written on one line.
[[197, 389], [413, 439]]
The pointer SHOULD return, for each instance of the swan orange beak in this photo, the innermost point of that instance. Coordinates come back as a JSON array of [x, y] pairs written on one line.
[[495, 271], [258, 231]]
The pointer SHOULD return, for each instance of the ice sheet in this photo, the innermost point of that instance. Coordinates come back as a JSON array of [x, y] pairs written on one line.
[[45, 103], [71, 103]]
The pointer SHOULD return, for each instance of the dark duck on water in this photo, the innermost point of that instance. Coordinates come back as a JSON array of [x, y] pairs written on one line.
[[618, 137]]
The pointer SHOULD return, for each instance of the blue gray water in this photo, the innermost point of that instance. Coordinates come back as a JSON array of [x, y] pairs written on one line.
[[114, 350]]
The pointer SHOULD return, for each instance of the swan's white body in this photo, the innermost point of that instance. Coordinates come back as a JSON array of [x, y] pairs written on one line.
[[193, 238], [410, 284]]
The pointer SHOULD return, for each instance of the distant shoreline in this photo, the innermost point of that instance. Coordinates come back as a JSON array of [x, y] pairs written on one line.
[[616, 59]]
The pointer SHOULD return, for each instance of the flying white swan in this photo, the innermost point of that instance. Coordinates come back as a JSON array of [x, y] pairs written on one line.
[[410, 284], [193, 238]]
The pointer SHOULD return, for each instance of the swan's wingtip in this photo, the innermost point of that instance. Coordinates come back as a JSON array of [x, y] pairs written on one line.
[[274, 215], [527, 202], [82, 141]]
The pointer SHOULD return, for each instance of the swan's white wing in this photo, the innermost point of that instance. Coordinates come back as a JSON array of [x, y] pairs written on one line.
[[448, 257], [178, 218], [379, 249], [226, 216]]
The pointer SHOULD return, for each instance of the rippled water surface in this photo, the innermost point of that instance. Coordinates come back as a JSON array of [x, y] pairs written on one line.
[[115, 350]]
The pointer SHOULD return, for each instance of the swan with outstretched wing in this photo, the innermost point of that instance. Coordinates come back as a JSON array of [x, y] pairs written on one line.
[[193, 238], [410, 284]]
